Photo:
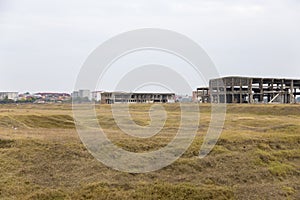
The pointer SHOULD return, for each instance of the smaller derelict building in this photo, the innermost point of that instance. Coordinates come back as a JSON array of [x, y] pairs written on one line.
[[136, 97]]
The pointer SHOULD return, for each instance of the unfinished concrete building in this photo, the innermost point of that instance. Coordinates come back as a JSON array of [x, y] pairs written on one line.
[[201, 95], [136, 97], [249, 90]]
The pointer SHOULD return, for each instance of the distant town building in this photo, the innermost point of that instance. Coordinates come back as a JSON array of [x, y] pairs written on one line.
[[195, 96], [52, 97], [75, 95], [82, 94], [96, 95], [9, 95], [85, 94], [183, 98]]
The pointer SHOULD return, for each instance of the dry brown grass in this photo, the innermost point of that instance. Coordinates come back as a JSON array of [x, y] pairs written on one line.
[[256, 157]]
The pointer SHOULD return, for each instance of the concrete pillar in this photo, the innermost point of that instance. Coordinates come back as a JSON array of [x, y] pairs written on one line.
[[218, 91], [232, 91], [292, 97], [241, 95], [261, 87], [272, 88], [225, 91], [282, 93], [250, 91]]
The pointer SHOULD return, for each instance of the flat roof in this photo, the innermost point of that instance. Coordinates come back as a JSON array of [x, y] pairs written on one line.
[[250, 77]]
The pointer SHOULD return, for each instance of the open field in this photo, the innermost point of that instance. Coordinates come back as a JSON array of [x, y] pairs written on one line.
[[256, 157]]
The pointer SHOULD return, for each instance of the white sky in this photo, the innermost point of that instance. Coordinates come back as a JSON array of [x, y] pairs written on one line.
[[44, 43]]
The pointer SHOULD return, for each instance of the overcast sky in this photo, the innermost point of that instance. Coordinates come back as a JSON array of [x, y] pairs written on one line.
[[43, 44]]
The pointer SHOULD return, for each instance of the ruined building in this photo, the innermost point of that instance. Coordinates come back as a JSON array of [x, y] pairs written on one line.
[[249, 90]]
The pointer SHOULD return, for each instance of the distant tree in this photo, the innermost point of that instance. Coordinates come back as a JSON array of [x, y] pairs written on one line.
[[6, 100], [29, 100]]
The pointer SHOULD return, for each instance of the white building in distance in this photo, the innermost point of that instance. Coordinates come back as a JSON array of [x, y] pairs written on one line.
[[9, 95], [82, 94], [96, 95]]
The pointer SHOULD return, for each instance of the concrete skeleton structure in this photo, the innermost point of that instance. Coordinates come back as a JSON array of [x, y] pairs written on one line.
[[236, 89], [136, 97]]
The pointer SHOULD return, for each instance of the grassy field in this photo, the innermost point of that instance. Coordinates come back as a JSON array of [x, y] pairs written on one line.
[[256, 157]]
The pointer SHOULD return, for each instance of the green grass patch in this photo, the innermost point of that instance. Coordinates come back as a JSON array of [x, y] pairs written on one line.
[[280, 169]]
